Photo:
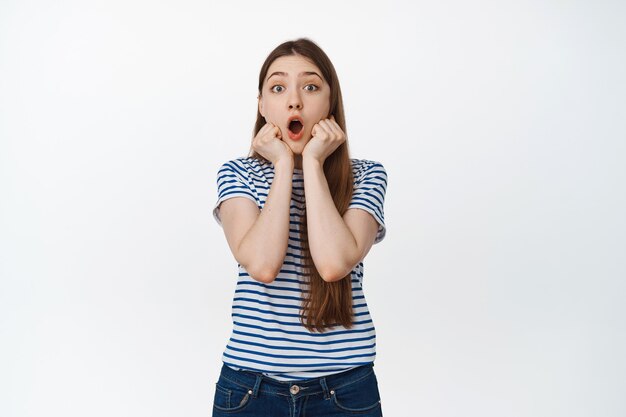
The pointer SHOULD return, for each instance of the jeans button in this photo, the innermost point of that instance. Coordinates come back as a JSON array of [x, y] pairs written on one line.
[[294, 389]]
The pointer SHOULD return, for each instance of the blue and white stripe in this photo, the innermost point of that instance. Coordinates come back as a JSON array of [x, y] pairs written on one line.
[[267, 335]]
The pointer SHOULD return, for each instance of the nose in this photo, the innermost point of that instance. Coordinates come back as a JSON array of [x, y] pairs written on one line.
[[294, 101]]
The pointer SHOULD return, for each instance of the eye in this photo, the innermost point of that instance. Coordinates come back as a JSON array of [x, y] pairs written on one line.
[[311, 85], [274, 87]]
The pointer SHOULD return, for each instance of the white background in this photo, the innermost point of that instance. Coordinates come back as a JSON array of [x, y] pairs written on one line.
[[499, 289]]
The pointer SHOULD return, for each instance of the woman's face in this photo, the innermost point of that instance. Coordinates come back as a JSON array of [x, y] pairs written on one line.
[[294, 86]]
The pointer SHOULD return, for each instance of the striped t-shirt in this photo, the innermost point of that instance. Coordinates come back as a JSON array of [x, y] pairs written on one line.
[[267, 335]]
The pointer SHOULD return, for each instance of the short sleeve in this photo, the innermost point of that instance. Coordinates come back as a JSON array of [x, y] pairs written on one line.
[[369, 194], [232, 181]]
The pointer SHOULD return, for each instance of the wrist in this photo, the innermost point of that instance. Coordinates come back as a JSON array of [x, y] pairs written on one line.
[[284, 164], [311, 162]]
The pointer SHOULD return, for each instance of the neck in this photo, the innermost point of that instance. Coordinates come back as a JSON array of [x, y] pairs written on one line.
[[297, 161]]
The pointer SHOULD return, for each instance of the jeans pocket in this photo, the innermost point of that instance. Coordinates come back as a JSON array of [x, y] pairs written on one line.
[[230, 397], [360, 396]]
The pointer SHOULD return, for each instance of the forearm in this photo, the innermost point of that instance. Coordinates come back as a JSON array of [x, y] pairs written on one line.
[[333, 247], [265, 244]]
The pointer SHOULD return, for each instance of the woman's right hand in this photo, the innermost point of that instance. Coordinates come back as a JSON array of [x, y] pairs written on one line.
[[268, 144]]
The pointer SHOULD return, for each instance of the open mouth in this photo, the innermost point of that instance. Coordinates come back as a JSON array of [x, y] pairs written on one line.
[[295, 126]]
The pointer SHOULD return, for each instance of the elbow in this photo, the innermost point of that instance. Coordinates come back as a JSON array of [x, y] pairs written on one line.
[[265, 277], [332, 274], [336, 269], [263, 273]]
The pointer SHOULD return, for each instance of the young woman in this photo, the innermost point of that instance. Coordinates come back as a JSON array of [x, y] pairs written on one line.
[[299, 216]]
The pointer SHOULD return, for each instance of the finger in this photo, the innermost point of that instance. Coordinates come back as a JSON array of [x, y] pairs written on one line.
[[273, 129], [329, 124], [334, 127], [266, 127], [318, 129], [326, 126]]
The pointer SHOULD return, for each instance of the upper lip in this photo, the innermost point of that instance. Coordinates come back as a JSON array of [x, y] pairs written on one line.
[[294, 117]]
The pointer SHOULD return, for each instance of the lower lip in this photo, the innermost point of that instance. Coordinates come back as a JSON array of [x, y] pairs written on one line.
[[296, 136]]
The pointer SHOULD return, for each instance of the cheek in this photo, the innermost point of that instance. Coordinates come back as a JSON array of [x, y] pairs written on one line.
[[269, 108], [325, 109], [273, 111]]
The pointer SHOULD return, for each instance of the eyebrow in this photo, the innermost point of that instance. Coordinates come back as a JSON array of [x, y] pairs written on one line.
[[284, 74]]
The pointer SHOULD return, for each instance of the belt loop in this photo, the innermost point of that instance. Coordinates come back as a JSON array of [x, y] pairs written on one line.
[[255, 390], [324, 388]]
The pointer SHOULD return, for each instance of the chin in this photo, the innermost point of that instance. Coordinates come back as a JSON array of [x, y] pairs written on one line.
[[297, 150], [298, 147]]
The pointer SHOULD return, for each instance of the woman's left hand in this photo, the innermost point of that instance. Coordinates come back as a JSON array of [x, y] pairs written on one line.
[[327, 136]]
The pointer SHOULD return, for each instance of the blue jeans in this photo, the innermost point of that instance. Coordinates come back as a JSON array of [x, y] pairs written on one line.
[[251, 394]]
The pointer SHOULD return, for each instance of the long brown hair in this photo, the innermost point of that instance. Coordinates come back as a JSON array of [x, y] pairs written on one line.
[[327, 303]]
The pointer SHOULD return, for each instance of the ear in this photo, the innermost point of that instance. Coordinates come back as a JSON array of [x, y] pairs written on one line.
[[261, 105]]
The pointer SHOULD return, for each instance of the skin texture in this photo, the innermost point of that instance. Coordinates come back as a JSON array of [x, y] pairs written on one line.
[[258, 239]]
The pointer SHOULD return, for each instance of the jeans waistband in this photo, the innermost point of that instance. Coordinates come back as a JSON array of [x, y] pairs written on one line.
[[256, 381]]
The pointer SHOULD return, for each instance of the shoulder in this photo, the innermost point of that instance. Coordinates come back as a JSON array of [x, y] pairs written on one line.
[[362, 168], [244, 165]]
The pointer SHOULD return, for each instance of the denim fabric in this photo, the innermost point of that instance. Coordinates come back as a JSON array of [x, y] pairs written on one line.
[[252, 394]]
